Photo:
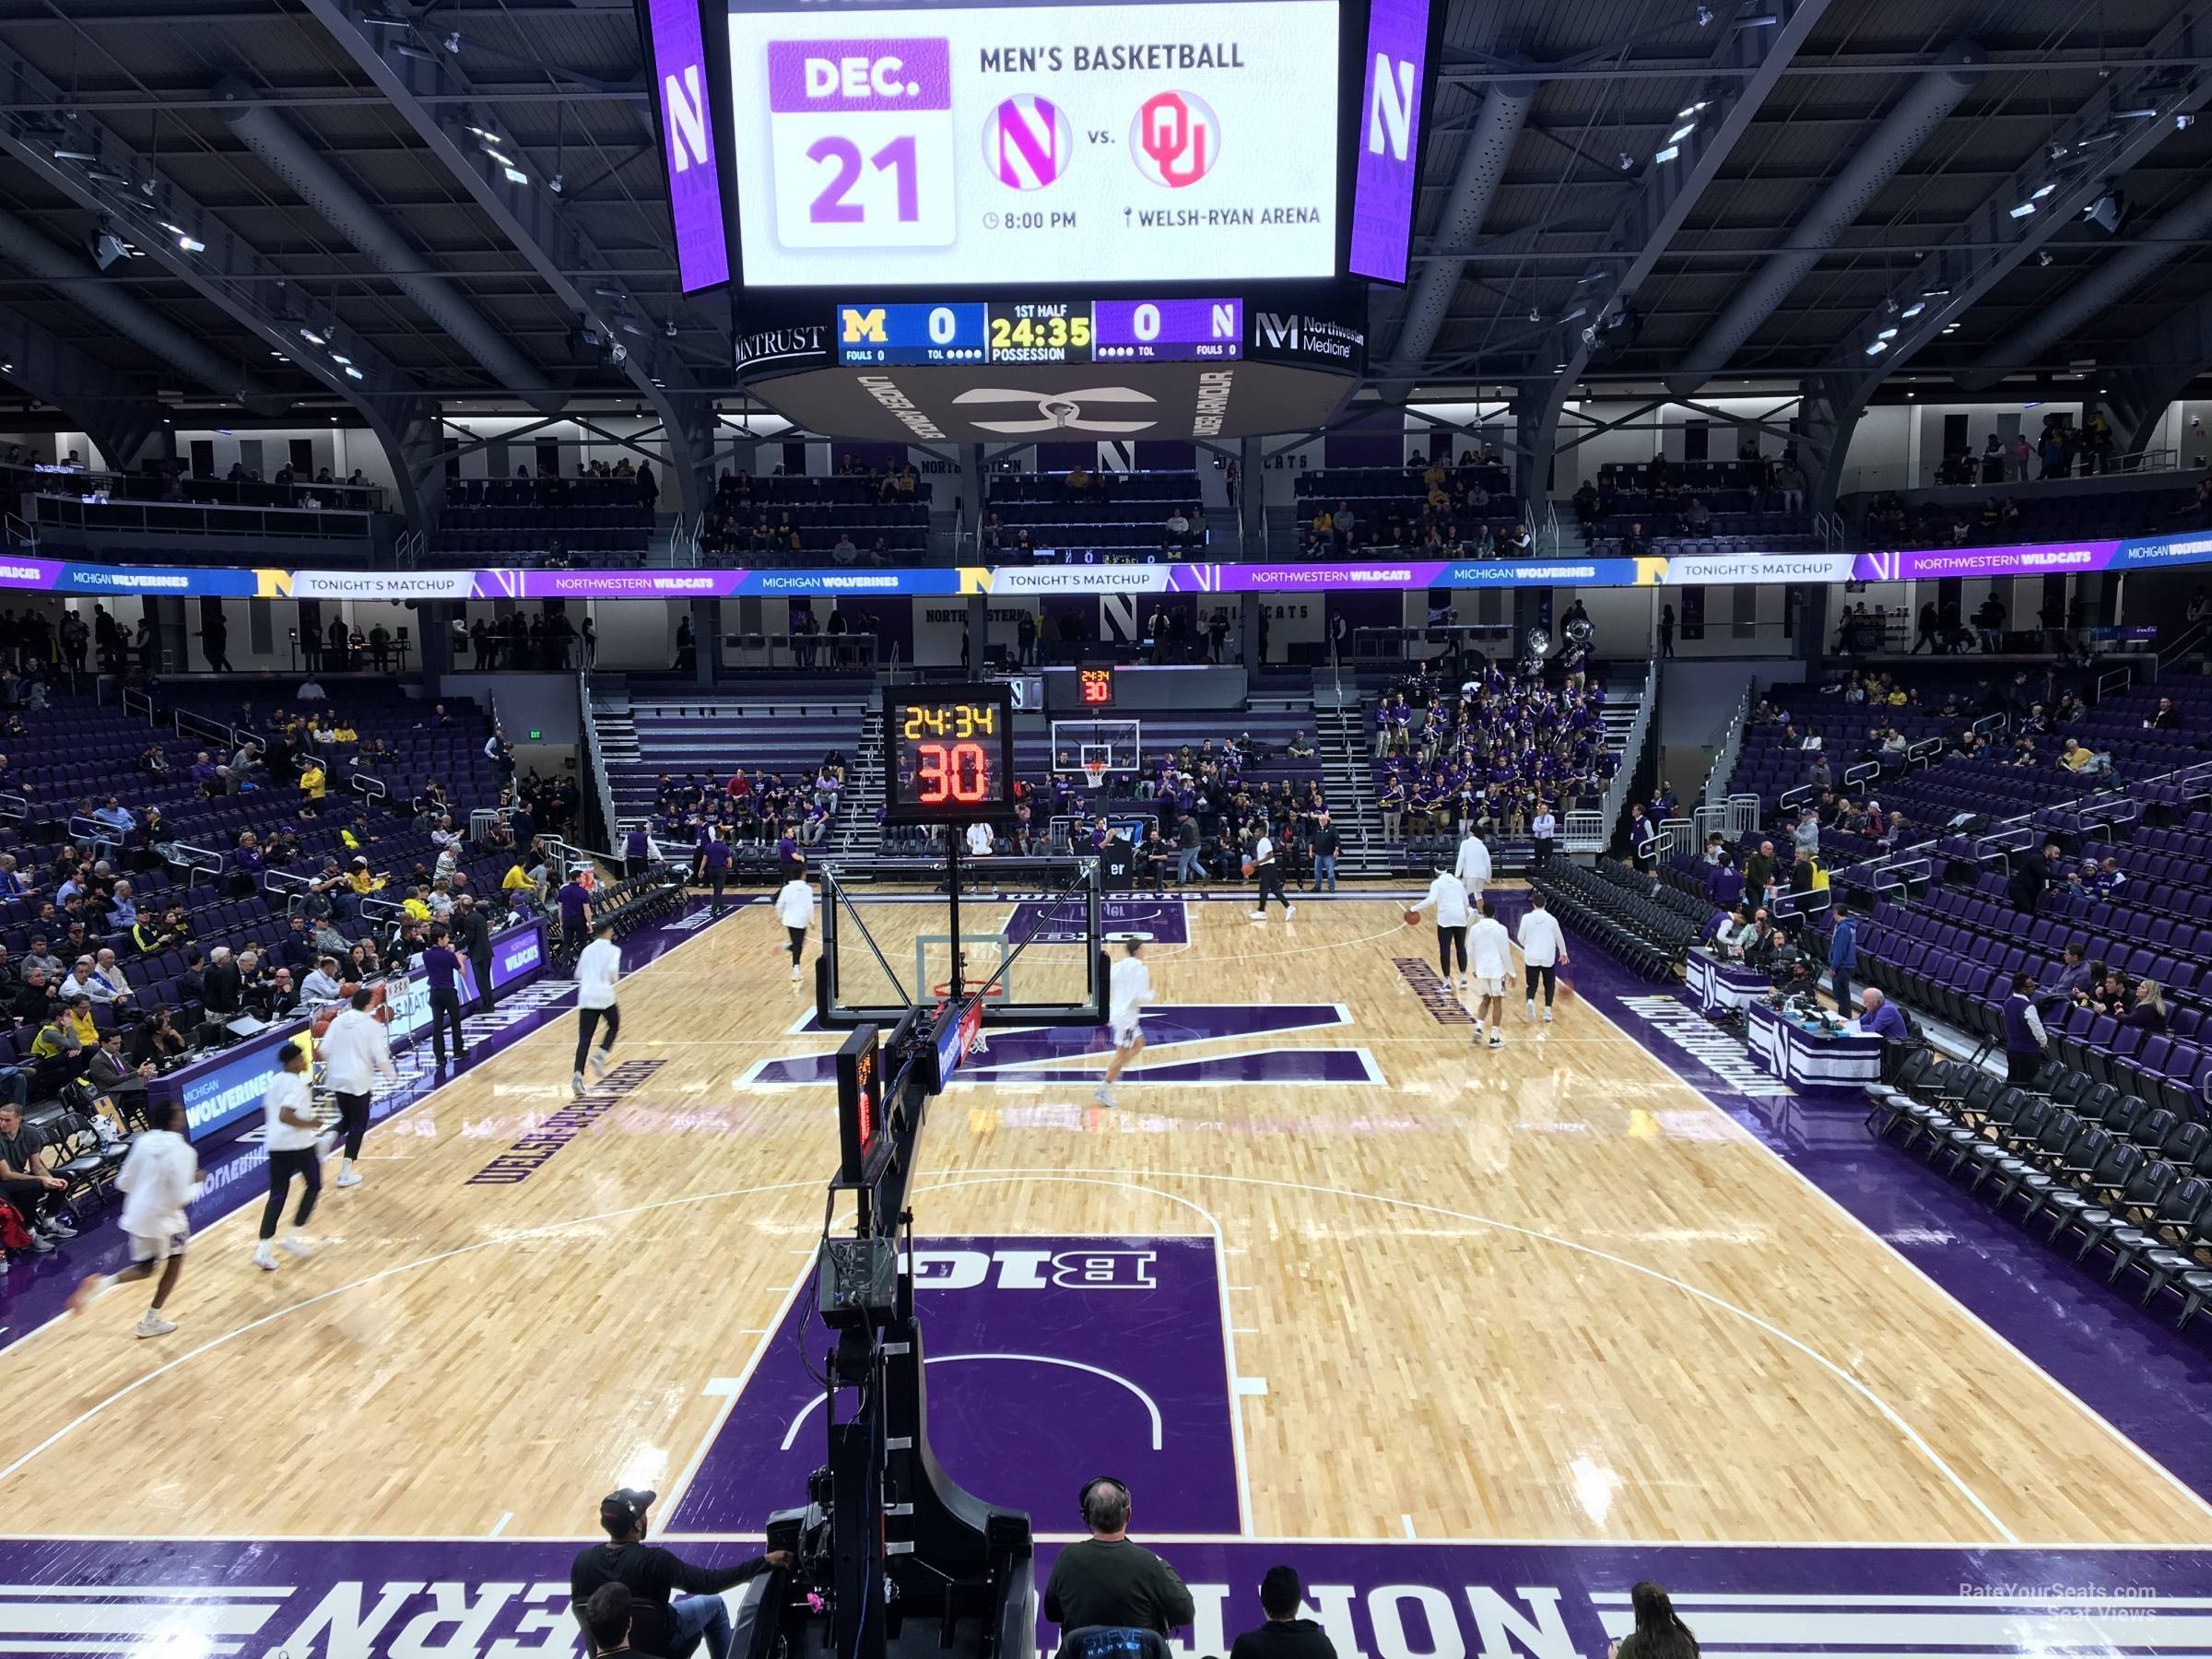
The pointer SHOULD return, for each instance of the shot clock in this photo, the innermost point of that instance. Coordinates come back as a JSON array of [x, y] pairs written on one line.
[[951, 751], [1095, 685]]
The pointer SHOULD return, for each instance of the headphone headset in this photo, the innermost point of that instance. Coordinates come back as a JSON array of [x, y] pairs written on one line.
[[1083, 1496]]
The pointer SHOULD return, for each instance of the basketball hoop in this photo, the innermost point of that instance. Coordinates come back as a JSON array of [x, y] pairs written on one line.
[[1096, 771]]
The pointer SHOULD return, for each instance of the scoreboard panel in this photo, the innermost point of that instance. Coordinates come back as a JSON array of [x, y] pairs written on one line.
[[1030, 329]]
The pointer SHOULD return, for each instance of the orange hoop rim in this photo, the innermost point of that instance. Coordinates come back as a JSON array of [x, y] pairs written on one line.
[[1096, 771]]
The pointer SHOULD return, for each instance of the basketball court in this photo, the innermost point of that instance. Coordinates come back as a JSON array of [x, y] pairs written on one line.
[[1329, 1277]]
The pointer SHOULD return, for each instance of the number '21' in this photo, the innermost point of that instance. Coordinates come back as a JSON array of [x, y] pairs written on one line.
[[896, 158]]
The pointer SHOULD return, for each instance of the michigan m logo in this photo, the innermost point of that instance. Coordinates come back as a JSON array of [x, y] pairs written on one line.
[[864, 327]]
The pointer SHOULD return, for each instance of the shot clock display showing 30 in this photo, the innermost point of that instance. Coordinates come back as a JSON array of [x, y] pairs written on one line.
[[951, 754]]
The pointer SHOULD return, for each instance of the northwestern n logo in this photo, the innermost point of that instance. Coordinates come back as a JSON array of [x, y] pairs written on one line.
[[686, 104], [1390, 112]]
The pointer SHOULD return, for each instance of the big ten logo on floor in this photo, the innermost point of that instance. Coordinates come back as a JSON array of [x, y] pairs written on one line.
[[1045, 1354], [1727, 1058], [1066, 921], [690, 923], [1436, 997]]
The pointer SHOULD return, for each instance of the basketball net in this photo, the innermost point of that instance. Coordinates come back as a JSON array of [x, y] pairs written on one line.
[[1096, 771]]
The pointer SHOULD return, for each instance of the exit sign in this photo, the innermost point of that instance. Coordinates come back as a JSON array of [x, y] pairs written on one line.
[[535, 734]]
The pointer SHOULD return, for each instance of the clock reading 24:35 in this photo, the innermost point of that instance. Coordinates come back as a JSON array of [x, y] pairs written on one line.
[[863, 143]]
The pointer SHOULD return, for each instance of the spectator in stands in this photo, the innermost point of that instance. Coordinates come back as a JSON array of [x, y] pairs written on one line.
[[2147, 1011], [2025, 886], [2165, 717], [1842, 955], [61, 1042], [1635, 544], [1659, 1633], [1724, 883], [26, 1184], [1806, 835], [1285, 1635], [1107, 1580], [155, 1040], [2024, 1034], [1789, 478]]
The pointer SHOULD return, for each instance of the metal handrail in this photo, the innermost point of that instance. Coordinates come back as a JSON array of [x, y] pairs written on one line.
[[215, 729], [197, 862], [594, 758], [138, 703], [20, 529], [14, 807], [1863, 771], [367, 787]]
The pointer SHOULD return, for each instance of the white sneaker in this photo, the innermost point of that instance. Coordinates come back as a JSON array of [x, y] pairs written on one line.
[[598, 1063], [1259, 915], [794, 970], [1479, 1027], [1548, 1016], [1530, 1007], [351, 1178], [1495, 1041], [294, 1245], [55, 1227], [153, 1324], [576, 1085], [1102, 1094], [1290, 910], [264, 1256]]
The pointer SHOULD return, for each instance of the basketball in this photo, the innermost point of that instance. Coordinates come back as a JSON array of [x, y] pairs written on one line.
[[1248, 866], [1413, 918]]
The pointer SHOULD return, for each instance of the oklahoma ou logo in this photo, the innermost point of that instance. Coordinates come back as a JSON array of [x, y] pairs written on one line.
[[1175, 139], [1059, 411]]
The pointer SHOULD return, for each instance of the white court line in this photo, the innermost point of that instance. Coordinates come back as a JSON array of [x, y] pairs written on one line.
[[499, 1526], [730, 1387], [1850, 1382], [1407, 1521], [1837, 1205]]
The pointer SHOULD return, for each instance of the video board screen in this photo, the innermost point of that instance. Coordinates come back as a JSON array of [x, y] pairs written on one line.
[[974, 145]]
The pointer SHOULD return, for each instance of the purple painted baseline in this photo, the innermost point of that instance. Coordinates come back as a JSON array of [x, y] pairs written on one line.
[[2125, 1364], [1047, 1359], [38, 1287], [477, 1598]]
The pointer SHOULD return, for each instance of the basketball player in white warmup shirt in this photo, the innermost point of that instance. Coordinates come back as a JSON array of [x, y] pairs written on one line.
[[1473, 865], [1543, 954], [1449, 895], [1492, 950], [794, 908], [1128, 988]]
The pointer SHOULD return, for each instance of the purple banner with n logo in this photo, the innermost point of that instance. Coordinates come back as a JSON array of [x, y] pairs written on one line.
[[680, 82], [1391, 121]]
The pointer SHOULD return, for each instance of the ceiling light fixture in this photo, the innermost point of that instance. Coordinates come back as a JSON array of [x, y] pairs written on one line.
[[1681, 133], [1887, 333], [453, 42], [407, 49], [312, 339], [2043, 191], [1877, 347], [1536, 315], [1694, 109], [2141, 112], [1761, 20], [192, 244], [516, 176], [2023, 210], [75, 155], [353, 373], [1914, 310], [1669, 154], [1704, 16], [1627, 163]]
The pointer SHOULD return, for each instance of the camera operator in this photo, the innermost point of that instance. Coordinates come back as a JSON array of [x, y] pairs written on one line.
[[655, 1574], [1109, 1581]]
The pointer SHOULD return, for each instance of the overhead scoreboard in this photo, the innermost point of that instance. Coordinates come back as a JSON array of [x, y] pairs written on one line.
[[1029, 330]]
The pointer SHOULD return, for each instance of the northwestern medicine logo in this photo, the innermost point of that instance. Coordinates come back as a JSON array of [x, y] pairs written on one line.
[[1028, 142]]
